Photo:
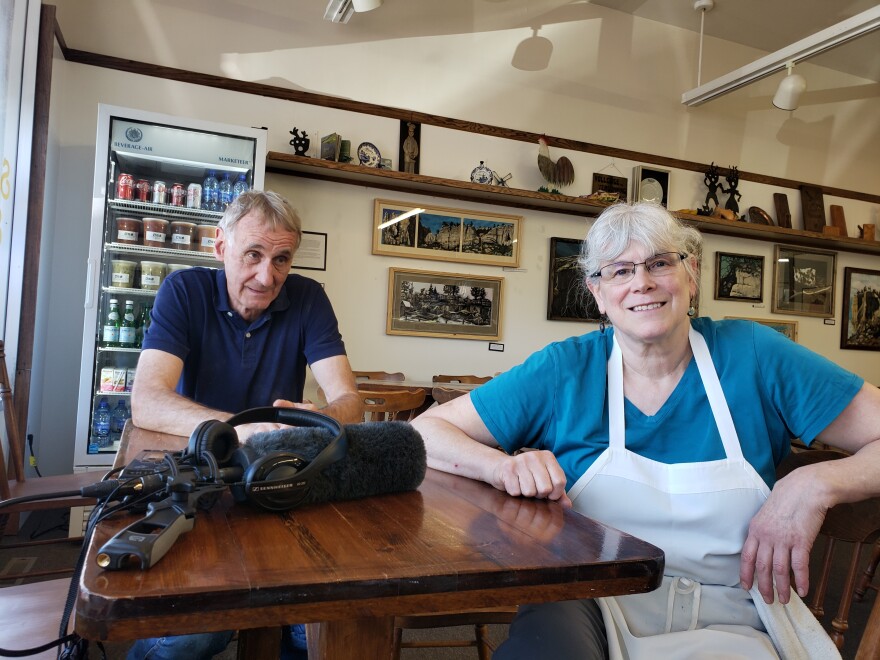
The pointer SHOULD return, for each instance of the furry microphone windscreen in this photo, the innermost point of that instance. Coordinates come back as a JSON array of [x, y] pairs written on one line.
[[382, 457]]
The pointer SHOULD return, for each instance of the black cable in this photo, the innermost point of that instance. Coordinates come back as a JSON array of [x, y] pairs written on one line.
[[30, 441]]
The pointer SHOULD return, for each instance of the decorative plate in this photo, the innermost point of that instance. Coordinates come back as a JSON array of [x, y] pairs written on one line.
[[759, 216], [482, 174], [651, 191], [368, 154]]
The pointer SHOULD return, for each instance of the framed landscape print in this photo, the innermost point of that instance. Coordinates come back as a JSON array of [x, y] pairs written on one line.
[[803, 281], [787, 328], [860, 325], [567, 296], [739, 277], [429, 304], [446, 234]]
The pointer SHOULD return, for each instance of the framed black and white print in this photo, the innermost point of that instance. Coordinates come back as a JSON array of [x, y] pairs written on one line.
[[860, 325], [739, 277], [803, 281], [567, 295]]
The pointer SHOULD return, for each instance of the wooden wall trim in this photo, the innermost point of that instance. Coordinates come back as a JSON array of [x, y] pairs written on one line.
[[36, 191], [311, 98]]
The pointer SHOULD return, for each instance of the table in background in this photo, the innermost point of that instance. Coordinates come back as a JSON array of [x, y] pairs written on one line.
[[352, 566]]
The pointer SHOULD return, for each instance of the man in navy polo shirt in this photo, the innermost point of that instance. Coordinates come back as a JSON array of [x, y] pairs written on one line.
[[223, 341]]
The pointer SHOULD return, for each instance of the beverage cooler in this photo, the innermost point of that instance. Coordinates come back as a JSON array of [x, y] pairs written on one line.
[[160, 186]]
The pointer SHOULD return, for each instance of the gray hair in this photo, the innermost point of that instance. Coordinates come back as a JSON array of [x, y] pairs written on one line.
[[271, 207], [649, 225]]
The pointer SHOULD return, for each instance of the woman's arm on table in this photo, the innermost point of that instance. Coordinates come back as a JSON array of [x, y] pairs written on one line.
[[457, 441]]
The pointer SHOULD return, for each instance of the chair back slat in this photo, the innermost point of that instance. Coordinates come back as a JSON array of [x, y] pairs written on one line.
[[16, 448], [378, 375], [467, 380], [387, 405]]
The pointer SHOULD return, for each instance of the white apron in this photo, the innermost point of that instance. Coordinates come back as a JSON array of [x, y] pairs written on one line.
[[698, 514]]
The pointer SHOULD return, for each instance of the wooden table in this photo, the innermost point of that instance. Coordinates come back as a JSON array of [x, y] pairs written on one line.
[[350, 567]]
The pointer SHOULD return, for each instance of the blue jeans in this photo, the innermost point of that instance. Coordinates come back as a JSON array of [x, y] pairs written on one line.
[[204, 646]]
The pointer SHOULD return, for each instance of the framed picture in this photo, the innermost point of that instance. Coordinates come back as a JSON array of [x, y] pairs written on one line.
[[739, 277], [404, 229], [567, 296], [788, 328], [610, 184], [429, 304], [860, 326], [650, 184], [803, 281], [312, 251], [409, 154]]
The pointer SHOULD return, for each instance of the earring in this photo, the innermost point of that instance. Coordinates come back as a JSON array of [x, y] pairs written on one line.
[[692, 311], [602, 326]]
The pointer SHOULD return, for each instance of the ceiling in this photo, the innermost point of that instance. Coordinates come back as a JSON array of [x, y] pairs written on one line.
[[277, 24], [769, 25]]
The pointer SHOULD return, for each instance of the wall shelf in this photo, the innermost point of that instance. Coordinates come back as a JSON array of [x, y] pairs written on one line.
[[348, 173]]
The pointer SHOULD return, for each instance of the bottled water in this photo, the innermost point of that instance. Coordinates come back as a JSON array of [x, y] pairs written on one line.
[[211, 192], [101, 424], [225, 192], [240, 186], [117, 421]]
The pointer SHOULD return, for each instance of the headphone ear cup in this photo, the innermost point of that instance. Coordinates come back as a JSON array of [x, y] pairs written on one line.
[[243, 457], [214, 436]]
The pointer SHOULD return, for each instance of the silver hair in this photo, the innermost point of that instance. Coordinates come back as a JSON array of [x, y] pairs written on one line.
[[649, 225], [271, 207]]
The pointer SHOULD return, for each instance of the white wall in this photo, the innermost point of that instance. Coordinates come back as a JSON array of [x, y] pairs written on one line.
[[647, 117]]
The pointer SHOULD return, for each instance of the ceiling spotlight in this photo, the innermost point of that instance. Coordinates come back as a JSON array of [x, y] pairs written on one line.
[[365, 5], [788, 95]]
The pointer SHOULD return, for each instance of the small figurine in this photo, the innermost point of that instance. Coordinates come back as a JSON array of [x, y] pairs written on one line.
[[501, 180], [732, 179], [710, 178], [300, 142]]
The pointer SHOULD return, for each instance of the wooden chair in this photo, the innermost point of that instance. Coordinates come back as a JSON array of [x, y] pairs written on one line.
[[443, 394], [857, 523], [379, 375], [32, 488], [387, 405], [868, 576], [475, 380], [479, 619]]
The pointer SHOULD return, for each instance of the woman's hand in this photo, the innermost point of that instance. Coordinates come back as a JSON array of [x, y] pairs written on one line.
[[531, 474], [781, 536]]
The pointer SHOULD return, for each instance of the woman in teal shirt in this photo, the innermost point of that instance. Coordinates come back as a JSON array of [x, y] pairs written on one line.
[[669, 428]]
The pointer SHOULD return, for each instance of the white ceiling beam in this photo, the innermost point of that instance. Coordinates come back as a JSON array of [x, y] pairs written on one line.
[[831, 37]]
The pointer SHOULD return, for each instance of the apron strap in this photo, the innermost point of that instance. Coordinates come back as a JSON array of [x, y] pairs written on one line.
[[714, 393]]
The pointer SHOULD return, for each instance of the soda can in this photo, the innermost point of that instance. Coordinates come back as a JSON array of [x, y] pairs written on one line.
[[143, 190], [178, 195], [194, 196], [159, 192], [124, 185]]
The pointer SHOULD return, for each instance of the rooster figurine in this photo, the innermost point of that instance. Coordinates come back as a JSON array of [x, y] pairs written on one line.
[[560, 173]]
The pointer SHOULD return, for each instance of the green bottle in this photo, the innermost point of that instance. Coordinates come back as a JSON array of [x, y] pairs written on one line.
[[127, 338], [110, 334]]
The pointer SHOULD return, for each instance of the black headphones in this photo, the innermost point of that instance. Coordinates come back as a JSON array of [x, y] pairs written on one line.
[[278, 480]]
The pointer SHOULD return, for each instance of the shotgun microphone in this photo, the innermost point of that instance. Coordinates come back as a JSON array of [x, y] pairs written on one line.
[[382, 457]]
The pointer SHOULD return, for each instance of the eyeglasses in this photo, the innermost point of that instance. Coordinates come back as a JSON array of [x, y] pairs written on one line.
[[623, 271]]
